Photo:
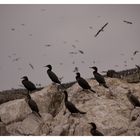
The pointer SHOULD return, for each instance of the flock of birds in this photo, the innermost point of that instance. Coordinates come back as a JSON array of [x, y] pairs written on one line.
[[69, 105]]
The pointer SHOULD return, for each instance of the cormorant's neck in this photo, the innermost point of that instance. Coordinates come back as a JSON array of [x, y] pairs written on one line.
[[66, 97]]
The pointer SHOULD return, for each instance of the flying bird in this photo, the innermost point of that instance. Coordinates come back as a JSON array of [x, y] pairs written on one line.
[[72, 52], [128, 22], [48, 45], [31, 65], [16, 59], [75, 69], [101, 29], [135, 52], [90, 27], [73, 46], [81, 51], [12, 29]]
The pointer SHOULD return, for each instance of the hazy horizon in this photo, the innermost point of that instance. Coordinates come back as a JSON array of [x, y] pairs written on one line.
[[37, 35]]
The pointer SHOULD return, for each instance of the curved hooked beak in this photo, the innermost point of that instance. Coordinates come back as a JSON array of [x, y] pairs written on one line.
[[91, 67]]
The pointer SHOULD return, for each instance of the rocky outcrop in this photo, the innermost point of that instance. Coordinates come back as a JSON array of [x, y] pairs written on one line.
[[109, 108]]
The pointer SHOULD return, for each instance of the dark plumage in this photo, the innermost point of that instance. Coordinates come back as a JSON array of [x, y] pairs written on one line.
[[28, 84], [99, 78], [52, 75], [93, 130], [134, 101], [83, 83], [32, 104], [70, 106], [102, 29]]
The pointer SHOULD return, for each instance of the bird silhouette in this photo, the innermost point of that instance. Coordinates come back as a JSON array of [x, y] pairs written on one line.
[[28, 84], [32, 104], [52, 75], [70, 106], [101, 29], [99, 78], [133, 99], [83, 83], [94, 131]]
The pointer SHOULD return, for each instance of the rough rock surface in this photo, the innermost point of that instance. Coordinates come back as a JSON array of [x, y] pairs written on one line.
[[109, 108]]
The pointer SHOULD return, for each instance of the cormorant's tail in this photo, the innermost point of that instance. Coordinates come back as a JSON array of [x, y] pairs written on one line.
[[82, 112], [105, 85], [92, 90], [62, 85], [39, 114]]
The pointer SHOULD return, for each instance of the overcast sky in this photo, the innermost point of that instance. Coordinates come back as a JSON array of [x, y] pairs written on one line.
[[47, 34]]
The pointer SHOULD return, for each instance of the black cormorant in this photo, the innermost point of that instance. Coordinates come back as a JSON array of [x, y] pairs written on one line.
[[83, 83], [93, 130], [32, 104], [28, 84], [133, 99], [99, 78], [70, 106], [52, 75]]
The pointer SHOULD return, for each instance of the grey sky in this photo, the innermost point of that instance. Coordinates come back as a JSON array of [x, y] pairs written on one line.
[[26, 29]]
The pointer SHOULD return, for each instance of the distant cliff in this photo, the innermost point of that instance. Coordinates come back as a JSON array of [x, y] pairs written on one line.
[[109, 108]]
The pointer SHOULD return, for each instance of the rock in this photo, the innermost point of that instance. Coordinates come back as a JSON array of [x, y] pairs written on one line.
[[3, 131], [111, 111], [32, 125], [13, 111]]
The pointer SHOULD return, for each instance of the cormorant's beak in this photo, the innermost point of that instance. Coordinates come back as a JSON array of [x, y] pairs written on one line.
[[21, 78], [91, 67], [89, 123], [45, 66]]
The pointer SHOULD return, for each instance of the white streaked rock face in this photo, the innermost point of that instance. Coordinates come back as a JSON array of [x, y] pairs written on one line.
[[110, 110]]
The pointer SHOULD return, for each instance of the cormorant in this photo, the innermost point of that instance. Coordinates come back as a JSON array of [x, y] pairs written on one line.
[[28, 84], [83, 83], [99, 78], [133, 99], [32, 104], [52, 75], [70, 106], [93, 130]]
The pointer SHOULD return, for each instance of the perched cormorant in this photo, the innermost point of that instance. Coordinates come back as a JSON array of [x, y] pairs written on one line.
[[52, 75], [83, 83], [93, 130], [32, 104], [70, 106], [133, 99], [99, 78], [28, 84]]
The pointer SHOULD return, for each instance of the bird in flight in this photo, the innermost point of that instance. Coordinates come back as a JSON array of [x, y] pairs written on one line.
[[101, 29], [135, 52], [128, 22]]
